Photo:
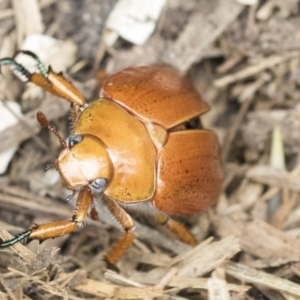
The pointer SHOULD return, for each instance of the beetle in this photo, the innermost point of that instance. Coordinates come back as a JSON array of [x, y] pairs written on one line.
[[139, 146]]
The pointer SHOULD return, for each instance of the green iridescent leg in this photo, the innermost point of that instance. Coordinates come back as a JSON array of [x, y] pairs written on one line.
[[16, 239]]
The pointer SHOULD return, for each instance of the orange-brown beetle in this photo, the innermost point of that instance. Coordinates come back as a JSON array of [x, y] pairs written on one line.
[[132, 148]]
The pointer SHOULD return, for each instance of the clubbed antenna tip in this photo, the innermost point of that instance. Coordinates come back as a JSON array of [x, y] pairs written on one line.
[[42, 119], [45, 123]]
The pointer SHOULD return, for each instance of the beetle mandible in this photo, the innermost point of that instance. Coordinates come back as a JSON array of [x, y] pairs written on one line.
[[132, 148]]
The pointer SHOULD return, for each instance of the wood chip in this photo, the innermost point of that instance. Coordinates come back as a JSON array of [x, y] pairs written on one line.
[[102, 289], [246, 274], [28, 18], [271, 176], [209, 24], [217, 286], [254, 69], [204, 258], [261, 239]]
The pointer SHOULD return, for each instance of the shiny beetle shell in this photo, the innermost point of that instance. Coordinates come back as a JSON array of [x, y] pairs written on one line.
[[178, 171]]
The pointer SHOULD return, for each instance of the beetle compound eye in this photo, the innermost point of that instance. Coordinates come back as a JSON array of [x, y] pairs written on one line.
[[74, 139], [99, 185]]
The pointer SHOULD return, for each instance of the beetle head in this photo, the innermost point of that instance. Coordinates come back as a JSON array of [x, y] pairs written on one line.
[[85, 162]]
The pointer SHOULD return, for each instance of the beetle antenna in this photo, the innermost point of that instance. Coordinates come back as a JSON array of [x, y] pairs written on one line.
[[41, 67], [44, 123], [23, 73]]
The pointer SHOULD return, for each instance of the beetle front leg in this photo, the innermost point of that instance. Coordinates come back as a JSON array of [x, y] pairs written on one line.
[[120, 247], [48, 80], [180, 231], [55, 229]]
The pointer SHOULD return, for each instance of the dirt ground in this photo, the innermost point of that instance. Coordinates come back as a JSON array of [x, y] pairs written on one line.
[[244, 58]]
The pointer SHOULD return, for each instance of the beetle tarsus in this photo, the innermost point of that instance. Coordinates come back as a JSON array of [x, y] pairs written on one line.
[[41, 67], [70, 197], [20, 237], [180, 231], [48, 167], [25, 75]]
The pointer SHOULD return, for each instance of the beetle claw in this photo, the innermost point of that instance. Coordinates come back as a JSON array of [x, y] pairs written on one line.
[[70, 197], [48, 167]]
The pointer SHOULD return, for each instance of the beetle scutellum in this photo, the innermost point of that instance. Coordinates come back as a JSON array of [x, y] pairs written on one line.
[[132, 147]]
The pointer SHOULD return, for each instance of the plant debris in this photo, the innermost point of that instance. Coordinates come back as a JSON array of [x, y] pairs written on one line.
[[244, 58]]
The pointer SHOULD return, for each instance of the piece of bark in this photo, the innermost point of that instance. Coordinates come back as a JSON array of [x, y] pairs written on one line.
[[210, 19], [206, 257], [274, 247], [246, 274]]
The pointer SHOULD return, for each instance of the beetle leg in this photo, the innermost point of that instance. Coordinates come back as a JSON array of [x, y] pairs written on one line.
[[23, 73], [54, 83], [41, 67], [55, 229], [180, 231], [120, 247], [75, 112]]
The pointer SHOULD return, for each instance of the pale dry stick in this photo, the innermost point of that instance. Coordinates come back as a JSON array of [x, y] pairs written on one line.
[[46, 3], [141, 246], [191, 44], [22, 206], [8, 13], [283, 211], [204, 258], [250, 275], [232, 171], [116, 278], [65, 279], [7, 289], [217, 285], [28, 19], [268, 62], [234, 128], [50, 287], [180, 282], [26, 255], [11, 227], [167, 278], [230, 63], [108, 290], [17, 133], [247, 97], [265, 11], [274, 190], [39, 142], [270, 176], [3, 296], [183, 282]]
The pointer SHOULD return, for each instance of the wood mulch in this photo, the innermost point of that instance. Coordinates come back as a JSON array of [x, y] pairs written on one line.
[[245, 61]]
